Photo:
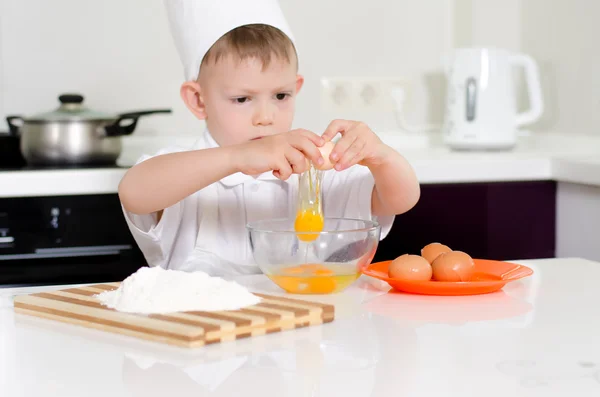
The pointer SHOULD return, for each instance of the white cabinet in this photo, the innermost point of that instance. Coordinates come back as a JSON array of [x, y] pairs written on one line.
[[578, 221]]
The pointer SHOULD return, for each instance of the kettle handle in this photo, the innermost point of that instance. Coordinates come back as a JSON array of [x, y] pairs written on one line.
[[534, 89]]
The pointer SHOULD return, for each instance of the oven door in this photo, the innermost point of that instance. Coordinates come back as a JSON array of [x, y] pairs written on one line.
[[65, 240], [74, 266]]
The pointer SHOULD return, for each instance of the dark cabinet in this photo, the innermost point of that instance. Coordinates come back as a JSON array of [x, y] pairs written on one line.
[[502, 221]]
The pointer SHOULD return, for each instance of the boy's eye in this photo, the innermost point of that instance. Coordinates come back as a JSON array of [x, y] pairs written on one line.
[[241, 99], [281, 96]]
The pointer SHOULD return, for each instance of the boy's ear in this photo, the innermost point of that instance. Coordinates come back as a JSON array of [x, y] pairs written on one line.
[[299, 83], [191, 93]]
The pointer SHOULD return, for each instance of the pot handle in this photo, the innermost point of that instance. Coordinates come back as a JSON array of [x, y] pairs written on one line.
[[13, 128], [118, 129]]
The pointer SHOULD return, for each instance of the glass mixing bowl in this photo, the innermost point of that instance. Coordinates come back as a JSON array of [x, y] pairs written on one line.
[[313, 262]]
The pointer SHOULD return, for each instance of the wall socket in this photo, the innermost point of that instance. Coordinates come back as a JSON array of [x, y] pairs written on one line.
[[364, 95]]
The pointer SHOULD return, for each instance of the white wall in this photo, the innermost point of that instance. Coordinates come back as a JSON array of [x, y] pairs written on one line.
[[119, 54], [562, 35], [487, 23]]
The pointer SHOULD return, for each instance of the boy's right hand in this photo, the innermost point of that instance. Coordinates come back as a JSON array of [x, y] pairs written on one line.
[[284, 154]]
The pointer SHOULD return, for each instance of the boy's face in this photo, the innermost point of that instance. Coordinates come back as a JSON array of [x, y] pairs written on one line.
[[241, 101]]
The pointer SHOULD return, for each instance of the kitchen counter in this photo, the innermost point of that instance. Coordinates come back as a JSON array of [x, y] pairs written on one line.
[[570, 158], [537, 337]]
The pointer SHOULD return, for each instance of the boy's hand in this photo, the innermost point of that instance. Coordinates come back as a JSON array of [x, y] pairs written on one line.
[[358, 145], [396, 187], [284, 154]]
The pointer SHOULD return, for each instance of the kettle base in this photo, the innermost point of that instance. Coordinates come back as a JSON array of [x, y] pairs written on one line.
[[480, 145], [481, 148]]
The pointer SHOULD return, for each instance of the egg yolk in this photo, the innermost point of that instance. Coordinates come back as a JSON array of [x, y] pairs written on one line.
[[312, 278], [308, 220]]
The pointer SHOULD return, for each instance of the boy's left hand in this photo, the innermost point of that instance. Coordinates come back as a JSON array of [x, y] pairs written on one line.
[[358, 145]]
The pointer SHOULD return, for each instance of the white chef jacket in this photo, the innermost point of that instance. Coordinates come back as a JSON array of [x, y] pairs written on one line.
[[207, 230]]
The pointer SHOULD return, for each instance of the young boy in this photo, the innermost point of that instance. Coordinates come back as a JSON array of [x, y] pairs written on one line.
[[187, 209]]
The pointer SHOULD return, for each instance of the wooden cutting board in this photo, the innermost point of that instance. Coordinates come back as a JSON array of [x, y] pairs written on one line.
[[188, 329]]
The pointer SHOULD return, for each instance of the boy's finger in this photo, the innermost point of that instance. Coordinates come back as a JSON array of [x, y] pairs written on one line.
[[357, 159], [341, 147], [283, 169], [314, 138], [335, 127], [347, 159], [297, 161], [360, 156], [298, 168], [310, 151]]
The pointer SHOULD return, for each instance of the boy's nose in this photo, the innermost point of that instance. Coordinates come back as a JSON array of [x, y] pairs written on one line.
[[263, 116]]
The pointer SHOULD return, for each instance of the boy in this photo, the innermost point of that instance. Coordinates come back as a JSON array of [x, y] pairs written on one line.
[[187, 209]]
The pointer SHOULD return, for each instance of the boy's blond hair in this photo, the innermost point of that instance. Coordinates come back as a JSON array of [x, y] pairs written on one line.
[[259, 41]]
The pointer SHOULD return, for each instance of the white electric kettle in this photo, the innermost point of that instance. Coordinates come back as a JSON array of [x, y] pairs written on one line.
[[481, 104]]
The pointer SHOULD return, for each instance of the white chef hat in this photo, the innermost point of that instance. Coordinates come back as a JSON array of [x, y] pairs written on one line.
[[197, 24]]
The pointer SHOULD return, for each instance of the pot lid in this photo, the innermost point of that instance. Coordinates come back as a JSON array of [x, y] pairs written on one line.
[[71, 109]]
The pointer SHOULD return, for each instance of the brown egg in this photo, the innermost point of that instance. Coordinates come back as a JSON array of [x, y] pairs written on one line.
[[453, 266], [326, 152], [410, 268], [433, 250]]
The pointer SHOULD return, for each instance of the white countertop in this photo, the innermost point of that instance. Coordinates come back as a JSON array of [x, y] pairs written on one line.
[[565, 158], [537, 337]]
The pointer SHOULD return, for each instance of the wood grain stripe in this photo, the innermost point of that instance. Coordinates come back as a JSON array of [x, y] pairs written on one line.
[[294, 306], [285, 315], [296, 310], [207, 327], [253, 318], [79, 291], [56, 297], [327, 319], [237, 321], [111, 323], [268, 316], [323, 306], [106, 287]]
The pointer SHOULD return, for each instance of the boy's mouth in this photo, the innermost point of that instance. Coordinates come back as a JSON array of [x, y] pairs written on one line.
[[257, 138]]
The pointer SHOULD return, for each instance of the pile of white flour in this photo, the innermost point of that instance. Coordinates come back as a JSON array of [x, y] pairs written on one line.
[[156, 290]]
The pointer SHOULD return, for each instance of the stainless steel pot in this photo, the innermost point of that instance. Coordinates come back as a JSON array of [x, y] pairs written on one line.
[[73, 134]]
